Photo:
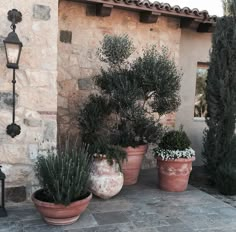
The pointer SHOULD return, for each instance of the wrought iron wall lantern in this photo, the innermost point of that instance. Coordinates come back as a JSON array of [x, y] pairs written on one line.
[[13, 48], [3, 212]]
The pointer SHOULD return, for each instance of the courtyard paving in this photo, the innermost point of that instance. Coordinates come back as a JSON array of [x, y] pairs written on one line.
[[138, 208]]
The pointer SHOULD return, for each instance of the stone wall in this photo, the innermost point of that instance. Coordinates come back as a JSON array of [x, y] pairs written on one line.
[[80, 35], [36, 89]]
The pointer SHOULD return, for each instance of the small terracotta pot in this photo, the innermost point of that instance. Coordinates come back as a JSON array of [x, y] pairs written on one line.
[[105, 180], [132, 166], [174, 174], [58, 214]]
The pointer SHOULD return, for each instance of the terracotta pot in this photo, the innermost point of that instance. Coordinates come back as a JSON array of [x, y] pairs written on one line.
[[174, 174], [58, 214], [105, 180], [132, 166]]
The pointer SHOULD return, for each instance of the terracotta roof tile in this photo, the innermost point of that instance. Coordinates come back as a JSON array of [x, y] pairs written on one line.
[[159, 8]]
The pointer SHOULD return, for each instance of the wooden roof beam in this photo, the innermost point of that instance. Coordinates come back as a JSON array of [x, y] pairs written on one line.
[[103, 10], [149, 17]]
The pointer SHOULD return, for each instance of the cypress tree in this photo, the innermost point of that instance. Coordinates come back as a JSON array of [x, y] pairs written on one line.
[[220, 140]]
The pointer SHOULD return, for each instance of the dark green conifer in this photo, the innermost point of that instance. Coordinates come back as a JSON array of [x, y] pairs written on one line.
[[220, 140]]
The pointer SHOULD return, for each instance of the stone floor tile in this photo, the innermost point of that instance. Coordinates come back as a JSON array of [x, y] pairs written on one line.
[[43, 228], [106, 228], [111, 205], [86, 220], [198, 222], [224, 229], [180, 227], [130, 227], [33, 222], [226, 211], [15, 226], [144, 219], [110, 218], [138, 208], [23, 214]]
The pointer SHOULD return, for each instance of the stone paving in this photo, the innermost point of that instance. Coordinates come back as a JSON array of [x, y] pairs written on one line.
[[138, 208]]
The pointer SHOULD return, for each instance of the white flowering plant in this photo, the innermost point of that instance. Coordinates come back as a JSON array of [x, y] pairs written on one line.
[[174, 154], [174, 145]]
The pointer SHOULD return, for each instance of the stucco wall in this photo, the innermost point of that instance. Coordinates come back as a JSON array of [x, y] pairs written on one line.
[[36, 89], [194, 48]]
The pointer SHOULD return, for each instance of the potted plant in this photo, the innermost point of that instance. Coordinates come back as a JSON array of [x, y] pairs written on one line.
[[174, 161], [63, 178], [131, 92]]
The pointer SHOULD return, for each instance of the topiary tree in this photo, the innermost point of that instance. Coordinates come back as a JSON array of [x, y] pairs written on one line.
[[131, 93], [220, 140]]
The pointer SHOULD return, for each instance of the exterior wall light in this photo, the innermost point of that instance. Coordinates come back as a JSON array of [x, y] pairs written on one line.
[[3, 212], [13, 48]]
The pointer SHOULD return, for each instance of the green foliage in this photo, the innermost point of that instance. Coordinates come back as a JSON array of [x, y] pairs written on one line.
[[138, 130], [220, 139], [92, 119], [113, 153], [131, 92], [175, 140], [226, 178], [158, 78], [115, 49], [64, 176]]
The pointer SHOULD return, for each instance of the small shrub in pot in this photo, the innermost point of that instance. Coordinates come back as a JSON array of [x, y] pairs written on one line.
[[174, 161]]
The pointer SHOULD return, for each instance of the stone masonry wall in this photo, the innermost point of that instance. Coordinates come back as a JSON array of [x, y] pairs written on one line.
[[80, 33], [36, 89]]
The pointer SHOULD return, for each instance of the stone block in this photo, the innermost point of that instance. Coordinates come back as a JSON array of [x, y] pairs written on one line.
[[32, 119], [16, 194], [66, 36], [16, 175], [6, 100], [32, 122], [14, 154], [50, 132], [85, 84], [41, 12], [1, 41], [33, 151]]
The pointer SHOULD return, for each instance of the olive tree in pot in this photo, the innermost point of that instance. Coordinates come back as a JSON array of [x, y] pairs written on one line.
[[63, 178], [134, 91], [174, 161], [106, 179]]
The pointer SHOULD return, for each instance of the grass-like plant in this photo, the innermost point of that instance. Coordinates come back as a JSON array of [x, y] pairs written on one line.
[[63, 176]]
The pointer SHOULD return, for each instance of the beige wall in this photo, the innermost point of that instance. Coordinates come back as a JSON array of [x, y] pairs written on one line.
[[194, 48], [35, 86]]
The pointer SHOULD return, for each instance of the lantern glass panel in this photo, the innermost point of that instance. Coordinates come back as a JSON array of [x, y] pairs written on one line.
[[12, 52]]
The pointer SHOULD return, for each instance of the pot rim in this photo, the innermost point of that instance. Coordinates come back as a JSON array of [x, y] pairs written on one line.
[[180, 160], [143, 146], [59, 206]]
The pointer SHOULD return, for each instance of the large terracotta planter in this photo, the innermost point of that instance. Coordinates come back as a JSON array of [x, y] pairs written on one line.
[[105, 180], [131, 167], [174, 174], [57, 214]]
